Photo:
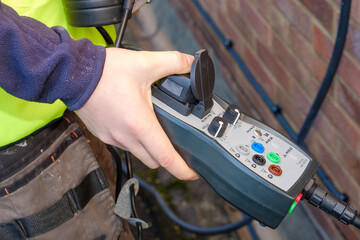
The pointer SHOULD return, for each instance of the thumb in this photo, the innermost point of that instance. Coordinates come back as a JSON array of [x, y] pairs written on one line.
[[168, 63]]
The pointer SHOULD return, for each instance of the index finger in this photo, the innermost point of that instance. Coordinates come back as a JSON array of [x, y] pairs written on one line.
[[159, 147]]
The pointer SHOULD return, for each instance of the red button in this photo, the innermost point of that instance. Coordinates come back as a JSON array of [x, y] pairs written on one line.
[[275, 169]]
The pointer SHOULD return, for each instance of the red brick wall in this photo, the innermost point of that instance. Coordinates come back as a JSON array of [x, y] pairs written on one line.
[[287, 45]]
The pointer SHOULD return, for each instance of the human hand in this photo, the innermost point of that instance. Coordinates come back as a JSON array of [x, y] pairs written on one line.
[[120, 110]]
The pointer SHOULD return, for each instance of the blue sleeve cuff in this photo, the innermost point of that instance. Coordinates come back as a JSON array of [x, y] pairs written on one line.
[[90, 86]]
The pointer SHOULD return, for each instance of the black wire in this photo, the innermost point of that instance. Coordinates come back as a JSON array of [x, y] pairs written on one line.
[[128, 6], [356, 221], [139, 231], [186, 226], [117, 158], [330, 72], [129, 176], [132, 193], [128, 170], [318, 196], [105, 35], [122, 28], [128, 165]]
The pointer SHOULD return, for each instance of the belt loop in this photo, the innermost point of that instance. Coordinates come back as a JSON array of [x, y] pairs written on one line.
[[20, 226], [102, 179], [73, 202]]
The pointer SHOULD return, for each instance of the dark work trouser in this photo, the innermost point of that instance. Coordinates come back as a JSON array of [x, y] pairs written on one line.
[[51, 187]]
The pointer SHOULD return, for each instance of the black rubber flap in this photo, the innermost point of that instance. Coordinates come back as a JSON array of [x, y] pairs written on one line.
[[202, 76]]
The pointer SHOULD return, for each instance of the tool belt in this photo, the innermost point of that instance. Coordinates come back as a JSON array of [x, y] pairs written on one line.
[[51, 187]]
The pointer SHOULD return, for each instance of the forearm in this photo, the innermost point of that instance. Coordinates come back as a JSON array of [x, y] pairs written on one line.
[[42, 64]]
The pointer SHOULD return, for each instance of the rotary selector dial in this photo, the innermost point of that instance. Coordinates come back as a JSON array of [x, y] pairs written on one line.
[[217, 127], [232, 114]]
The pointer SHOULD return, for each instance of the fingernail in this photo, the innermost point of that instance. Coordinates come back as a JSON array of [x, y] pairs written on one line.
[[196, 177]]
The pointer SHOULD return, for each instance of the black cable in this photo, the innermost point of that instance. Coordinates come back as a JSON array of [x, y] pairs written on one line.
[[117, 158], [139, 231], [128, 165], [330, 72], [356, 221], [132, 193], [186, 226], [128, 6], [318, 196], [105, 35]]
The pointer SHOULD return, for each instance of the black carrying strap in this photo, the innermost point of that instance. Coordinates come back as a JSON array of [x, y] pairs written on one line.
[[72, 202]]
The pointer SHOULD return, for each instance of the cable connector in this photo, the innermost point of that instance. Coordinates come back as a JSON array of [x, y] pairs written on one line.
[[318, 196]]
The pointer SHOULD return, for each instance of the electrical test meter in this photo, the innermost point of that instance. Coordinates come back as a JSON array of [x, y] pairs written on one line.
[[249, 164]]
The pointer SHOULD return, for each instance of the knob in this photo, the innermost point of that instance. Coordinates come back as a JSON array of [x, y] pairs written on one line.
[[232, 114], [217, 127]]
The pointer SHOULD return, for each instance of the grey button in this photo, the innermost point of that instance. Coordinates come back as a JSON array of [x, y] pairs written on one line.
[[243, 150]]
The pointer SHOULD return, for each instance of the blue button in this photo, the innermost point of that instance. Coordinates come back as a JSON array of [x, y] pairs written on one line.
[[258, 147]]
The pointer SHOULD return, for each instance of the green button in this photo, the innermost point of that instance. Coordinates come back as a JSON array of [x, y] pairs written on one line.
[[273, 157]]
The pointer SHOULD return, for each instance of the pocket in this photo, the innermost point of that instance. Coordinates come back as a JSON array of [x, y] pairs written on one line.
[[65, 172]]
